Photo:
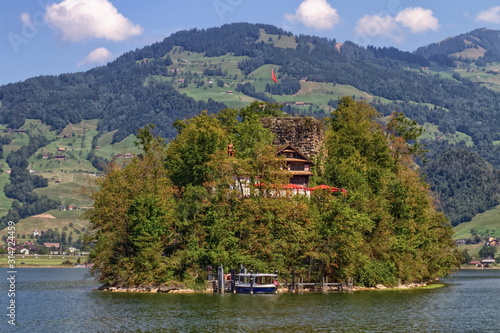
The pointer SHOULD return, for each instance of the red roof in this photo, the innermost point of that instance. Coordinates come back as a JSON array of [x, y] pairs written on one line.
[[49, 245], [324, 187], [293, 186]]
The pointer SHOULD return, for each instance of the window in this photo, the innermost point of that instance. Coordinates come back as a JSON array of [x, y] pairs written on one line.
[[296, 167], [299, 180]]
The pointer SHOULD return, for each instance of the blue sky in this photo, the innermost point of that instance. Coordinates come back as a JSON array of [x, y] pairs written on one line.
[[49, 37]]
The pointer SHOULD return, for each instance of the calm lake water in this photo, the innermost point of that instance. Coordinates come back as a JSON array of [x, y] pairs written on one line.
[[60, 300]]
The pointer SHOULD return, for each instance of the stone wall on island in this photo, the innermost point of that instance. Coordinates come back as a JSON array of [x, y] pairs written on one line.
[[307, 134]]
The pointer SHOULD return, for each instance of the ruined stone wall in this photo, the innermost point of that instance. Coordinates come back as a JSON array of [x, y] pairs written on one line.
[[307, 134]]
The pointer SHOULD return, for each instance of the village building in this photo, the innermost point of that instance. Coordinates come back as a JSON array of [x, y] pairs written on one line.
[[52, 246], [298, 165], [488, 261], [299, 141]]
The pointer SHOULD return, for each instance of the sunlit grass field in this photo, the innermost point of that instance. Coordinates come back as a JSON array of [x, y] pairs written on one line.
[[39, 260]]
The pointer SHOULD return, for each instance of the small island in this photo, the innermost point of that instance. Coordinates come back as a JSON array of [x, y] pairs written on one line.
[[231, 189]]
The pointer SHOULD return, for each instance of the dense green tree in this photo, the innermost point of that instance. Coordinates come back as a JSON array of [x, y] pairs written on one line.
[[466, 257], [189, 152], [488, 251], [392, 229], [133, 220]]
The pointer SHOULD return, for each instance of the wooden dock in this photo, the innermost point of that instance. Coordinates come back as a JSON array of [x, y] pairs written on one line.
[[221, 283], [323, 286]]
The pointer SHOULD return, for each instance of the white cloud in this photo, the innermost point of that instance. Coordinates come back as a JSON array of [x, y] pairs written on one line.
[[376, 25], [491, 15], [317, 14], [26, 19], [79, 20], [417, 19], [100, 55]]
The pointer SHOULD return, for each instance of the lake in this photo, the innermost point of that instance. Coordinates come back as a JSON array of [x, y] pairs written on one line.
[[60, 300]]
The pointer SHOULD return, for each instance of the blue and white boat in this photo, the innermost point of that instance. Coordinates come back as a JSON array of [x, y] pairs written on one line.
[[258, 283]]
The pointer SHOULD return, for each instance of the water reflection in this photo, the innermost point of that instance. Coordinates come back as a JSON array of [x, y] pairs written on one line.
[[54, 300]]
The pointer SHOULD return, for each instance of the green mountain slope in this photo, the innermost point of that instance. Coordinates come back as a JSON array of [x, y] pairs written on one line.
[[487, 223], [65, 162], [189, 71], [478, 46]]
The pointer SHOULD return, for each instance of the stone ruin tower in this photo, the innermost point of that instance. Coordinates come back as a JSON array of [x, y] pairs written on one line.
[[306, 134]]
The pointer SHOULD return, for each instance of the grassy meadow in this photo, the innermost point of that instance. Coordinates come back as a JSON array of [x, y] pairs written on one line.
[[190, 64], [65, 177], [488, 76], [39, 260], [70, 221], [487, 221], [278, 41], [432, 132]]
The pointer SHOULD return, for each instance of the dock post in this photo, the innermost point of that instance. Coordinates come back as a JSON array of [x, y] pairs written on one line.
[[220, 279], [276, 280], [233, 276], [293, 281], [251, 281]]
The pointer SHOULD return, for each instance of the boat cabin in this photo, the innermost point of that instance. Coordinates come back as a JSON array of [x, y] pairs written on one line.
[[249, 283]]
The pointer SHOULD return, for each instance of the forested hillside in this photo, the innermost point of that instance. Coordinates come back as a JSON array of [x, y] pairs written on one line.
[[479, 46], [449, 87], [464, 183], [118, 91], [115, 94]]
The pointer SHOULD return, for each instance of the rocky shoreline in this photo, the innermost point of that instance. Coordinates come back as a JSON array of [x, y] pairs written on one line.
[[149, 289], [181, 290], [401, 286]]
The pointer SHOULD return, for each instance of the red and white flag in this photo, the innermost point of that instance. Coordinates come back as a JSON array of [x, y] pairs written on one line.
[[275, 79]]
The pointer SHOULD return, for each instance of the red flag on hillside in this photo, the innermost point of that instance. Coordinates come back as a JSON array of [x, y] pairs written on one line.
[[274, 76]]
